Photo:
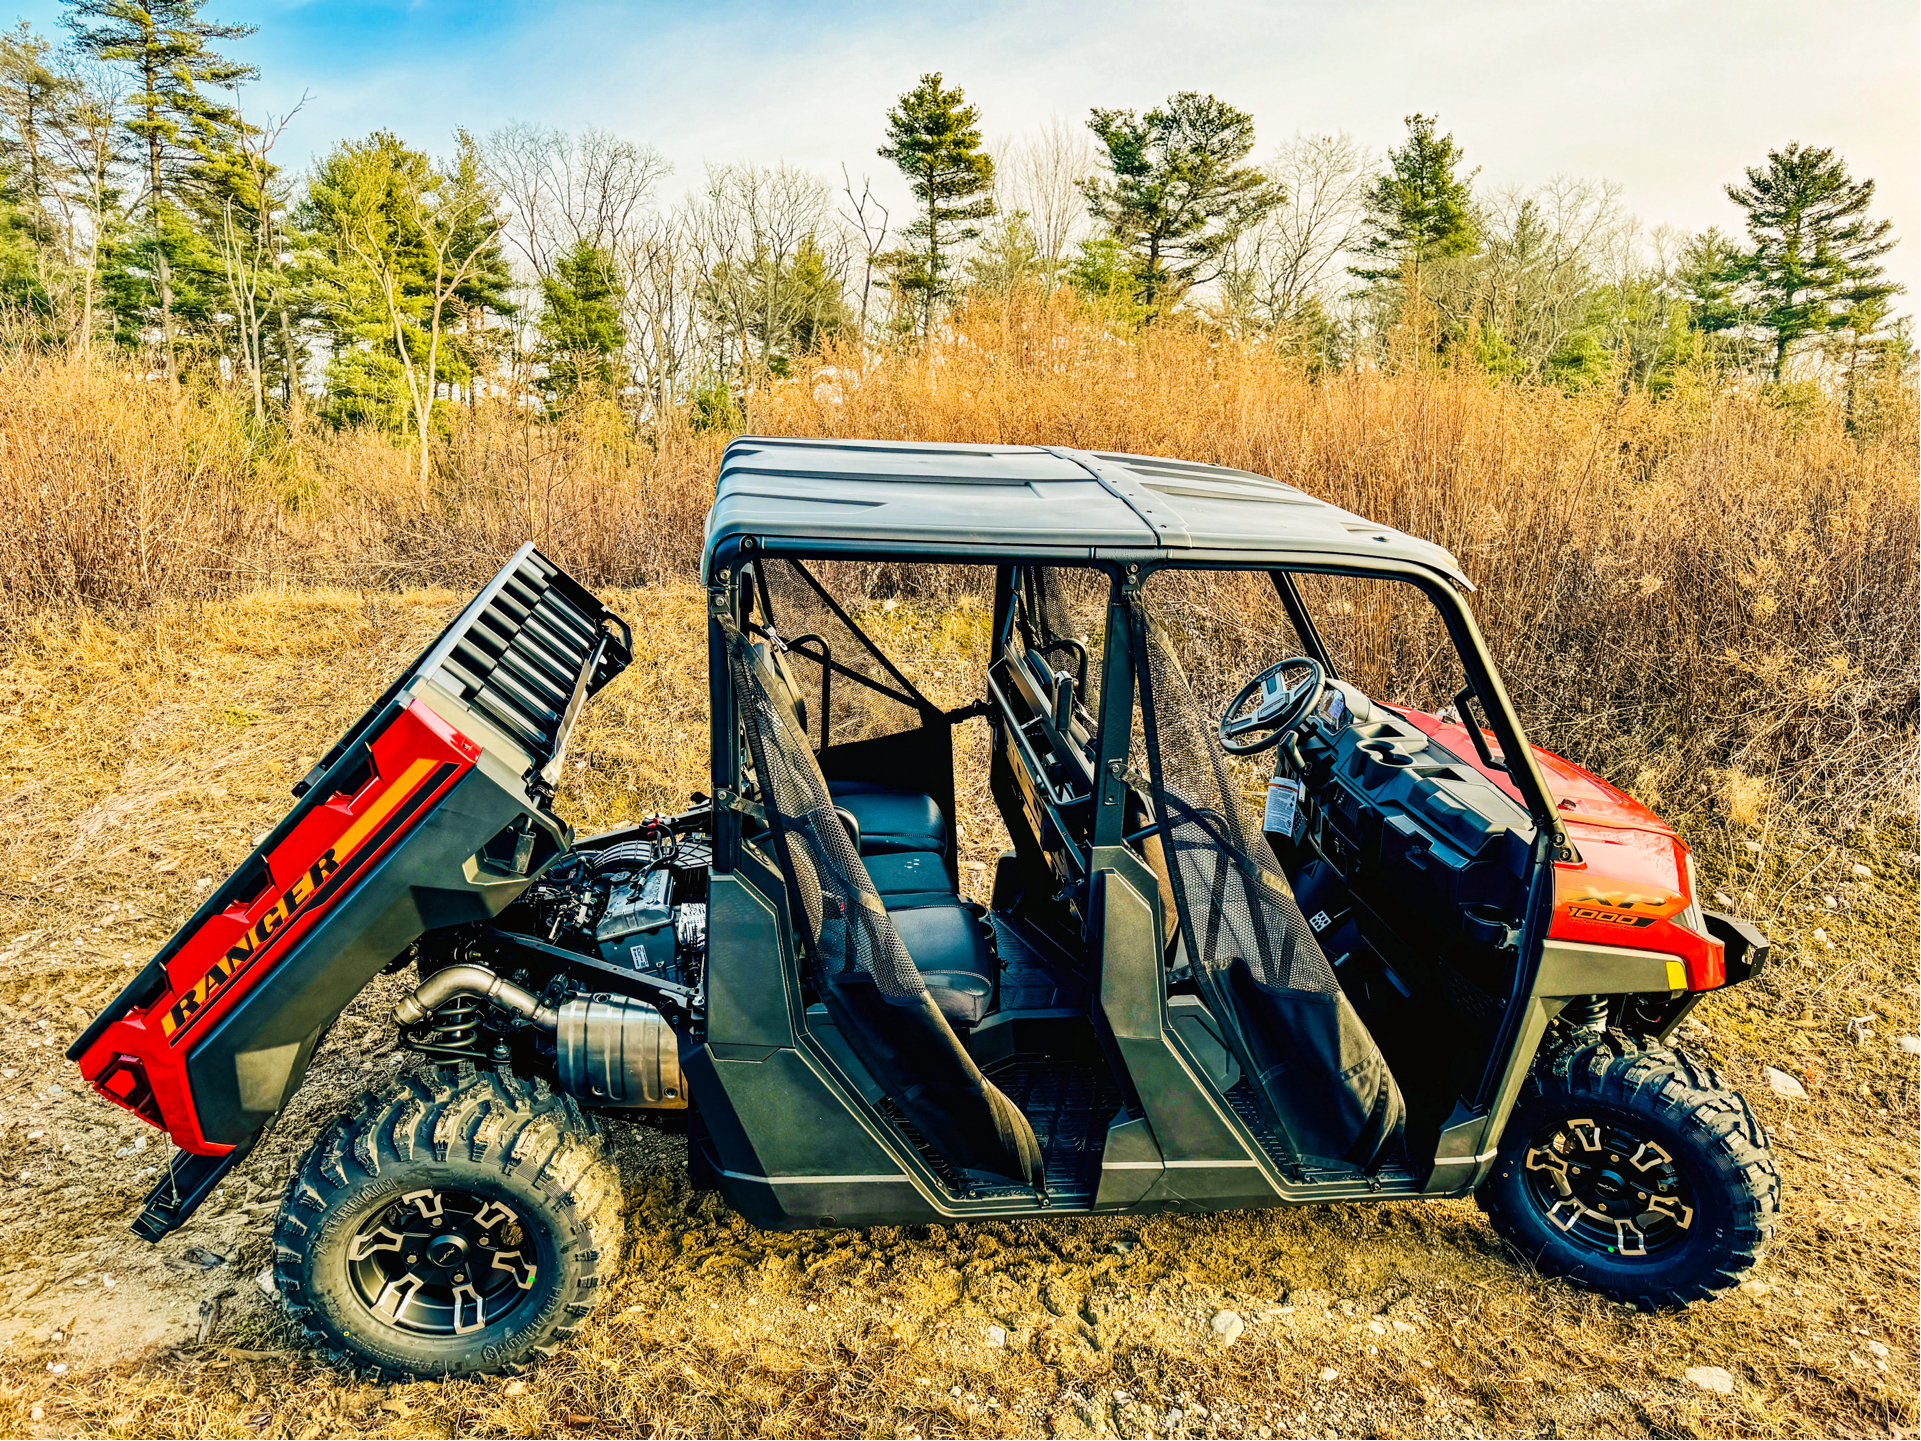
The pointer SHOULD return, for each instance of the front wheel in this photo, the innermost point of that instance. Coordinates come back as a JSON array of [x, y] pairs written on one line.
[[1634, 1173], [461, 1223]]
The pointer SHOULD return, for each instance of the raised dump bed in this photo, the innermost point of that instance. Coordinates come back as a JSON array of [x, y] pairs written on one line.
[[434, 808]]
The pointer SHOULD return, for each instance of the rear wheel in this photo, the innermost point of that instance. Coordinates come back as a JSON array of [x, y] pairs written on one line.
[[462, 1222], [1635, 1173]]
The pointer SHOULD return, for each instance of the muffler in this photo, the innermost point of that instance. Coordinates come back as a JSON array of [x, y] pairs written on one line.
[[609, 1050], [619, 1052]]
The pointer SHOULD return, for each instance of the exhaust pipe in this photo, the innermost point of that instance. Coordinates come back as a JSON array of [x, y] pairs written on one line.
[[471, 980]]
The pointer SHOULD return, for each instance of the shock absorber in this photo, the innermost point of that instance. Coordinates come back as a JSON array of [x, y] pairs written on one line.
[[452, 1030], [1586, 1013]]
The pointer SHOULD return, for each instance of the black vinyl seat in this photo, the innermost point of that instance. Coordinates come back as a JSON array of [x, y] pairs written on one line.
[[944, 939], [948, 949], [910, 878], [892, 821]]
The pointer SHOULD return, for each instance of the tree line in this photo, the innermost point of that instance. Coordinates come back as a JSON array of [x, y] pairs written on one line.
[[141, 205]]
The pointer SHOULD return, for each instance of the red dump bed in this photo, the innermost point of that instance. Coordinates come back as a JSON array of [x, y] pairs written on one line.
[[431, 810]]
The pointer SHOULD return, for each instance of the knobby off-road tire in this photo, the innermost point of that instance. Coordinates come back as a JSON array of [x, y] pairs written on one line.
[[1638, 1173], [462, 1222]]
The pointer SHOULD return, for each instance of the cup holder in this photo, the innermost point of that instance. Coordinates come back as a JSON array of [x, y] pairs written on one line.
[[1386, 753]]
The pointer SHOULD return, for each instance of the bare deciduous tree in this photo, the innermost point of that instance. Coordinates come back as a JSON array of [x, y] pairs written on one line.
[[868, 217], [1287, 274], [659, 311], [1041, 175], [564, 192], [1544, 252], [88, 148], [755, 225], [248, 242]]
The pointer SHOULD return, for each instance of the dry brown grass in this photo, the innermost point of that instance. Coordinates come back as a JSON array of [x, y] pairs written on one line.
[[1712, 594], [140, 754]]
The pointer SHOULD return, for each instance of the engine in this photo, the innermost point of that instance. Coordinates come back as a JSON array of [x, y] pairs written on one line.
[[593, 977]]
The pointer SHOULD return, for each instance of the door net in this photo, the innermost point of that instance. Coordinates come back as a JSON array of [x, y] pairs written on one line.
[[1316, 1072], [860, 968], [845, 688]]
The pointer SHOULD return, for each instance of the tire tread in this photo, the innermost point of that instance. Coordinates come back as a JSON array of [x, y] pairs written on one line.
[[494, 1118]]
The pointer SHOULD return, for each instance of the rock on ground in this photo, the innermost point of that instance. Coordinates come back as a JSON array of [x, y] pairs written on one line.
[[1782, 1084], [1711, 1378]]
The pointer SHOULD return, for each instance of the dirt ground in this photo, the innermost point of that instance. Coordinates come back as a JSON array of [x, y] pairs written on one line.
[[137, 764]]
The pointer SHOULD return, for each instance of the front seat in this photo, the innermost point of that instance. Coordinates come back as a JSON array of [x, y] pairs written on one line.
[[1319, 1077], [863, 971]]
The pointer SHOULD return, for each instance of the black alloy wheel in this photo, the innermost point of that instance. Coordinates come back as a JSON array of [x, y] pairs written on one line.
[[443, 1262], [1608, 1188], [1634, 1172], [462, 1223]]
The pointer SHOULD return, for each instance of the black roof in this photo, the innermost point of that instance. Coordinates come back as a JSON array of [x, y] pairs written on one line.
[[1016, 501]]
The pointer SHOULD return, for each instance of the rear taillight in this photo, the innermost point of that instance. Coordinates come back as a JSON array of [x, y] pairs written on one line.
[[125, 1084]]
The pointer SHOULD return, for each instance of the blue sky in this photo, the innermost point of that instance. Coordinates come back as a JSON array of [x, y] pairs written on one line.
[[1670, 97]]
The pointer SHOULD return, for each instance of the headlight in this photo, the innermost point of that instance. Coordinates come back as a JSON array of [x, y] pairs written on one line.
[[1691, 918]]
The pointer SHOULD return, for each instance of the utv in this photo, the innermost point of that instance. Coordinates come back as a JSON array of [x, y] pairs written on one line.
[[1416, 959]]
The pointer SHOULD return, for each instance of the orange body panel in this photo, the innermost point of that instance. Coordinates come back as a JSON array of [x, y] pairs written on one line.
[[1631, 886]]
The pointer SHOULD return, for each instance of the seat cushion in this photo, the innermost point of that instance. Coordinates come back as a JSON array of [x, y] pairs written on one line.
[[945, 943], [910, 878], [892, 821]]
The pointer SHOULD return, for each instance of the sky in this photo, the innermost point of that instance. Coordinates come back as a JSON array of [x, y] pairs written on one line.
[[1671, 98]]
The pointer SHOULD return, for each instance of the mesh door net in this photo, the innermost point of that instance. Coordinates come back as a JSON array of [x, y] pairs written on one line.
[[860, 968], [1319, 1077], [847, 689]]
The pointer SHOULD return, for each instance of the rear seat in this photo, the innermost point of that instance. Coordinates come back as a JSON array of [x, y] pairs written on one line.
[[892, 821], [903, 844]]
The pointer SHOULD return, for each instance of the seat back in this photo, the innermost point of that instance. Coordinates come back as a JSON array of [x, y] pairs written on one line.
[[859, 967], [1317, 1073]]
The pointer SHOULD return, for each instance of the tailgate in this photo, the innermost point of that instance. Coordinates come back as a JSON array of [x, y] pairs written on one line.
[[434, 808]]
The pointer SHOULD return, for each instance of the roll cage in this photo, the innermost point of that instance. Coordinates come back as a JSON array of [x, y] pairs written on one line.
[[1062, 780]]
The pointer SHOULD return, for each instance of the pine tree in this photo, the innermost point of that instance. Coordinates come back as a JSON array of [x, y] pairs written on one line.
[[1176, 196], [934, 137], [166, 48], [1816, 255], [1420, 210], [580, 330]]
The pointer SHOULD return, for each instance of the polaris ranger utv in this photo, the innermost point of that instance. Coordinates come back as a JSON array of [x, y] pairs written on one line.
[[1435, 962]]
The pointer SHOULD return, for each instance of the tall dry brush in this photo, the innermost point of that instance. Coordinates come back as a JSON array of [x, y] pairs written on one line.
[[1710, 596]]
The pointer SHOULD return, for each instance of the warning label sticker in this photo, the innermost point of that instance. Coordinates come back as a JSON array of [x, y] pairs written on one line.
[[1284, 816]]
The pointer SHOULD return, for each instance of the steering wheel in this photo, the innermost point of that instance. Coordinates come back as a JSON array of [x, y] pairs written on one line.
[[1282, 707]]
